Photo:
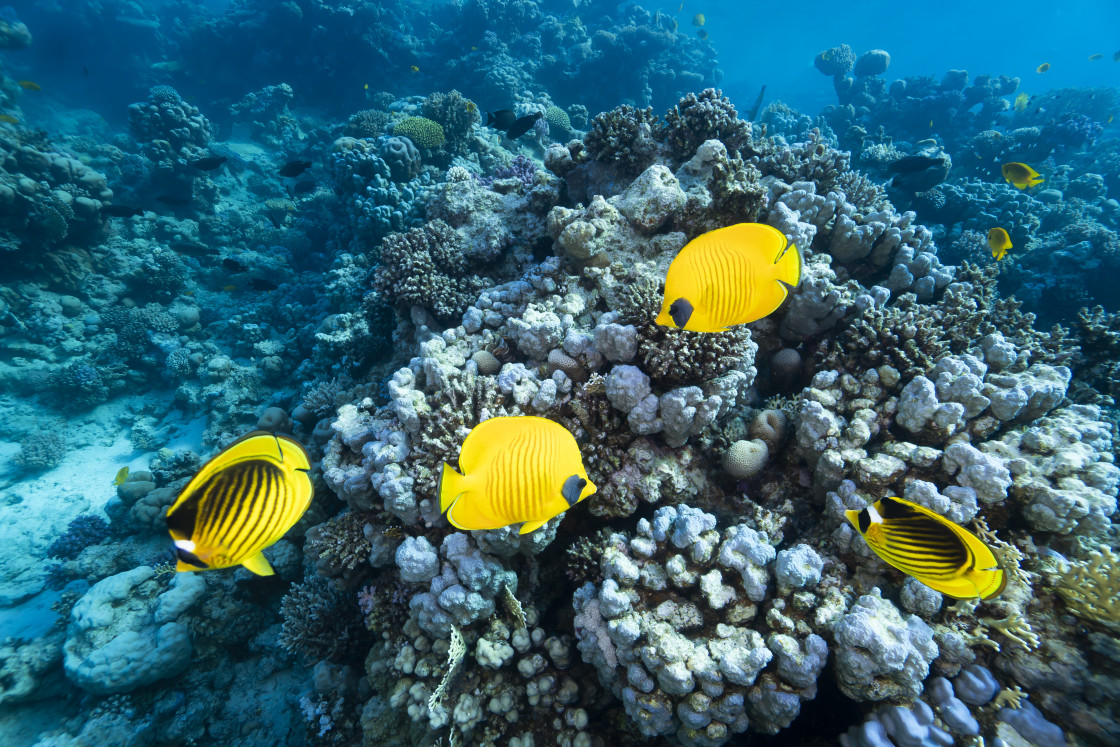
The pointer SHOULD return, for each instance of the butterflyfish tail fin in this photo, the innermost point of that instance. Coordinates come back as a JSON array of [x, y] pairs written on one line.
[[259, 565], [789, 266], [450, 487]]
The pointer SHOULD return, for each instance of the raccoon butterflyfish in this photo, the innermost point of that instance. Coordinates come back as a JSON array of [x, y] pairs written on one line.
[[30, 85], [122, 475], [999, 242], [942, 555], [729, 276], [1021, 175], [514, 469], [698, 19], [1021, 102], [1095, 57], [1043, 67], [240, 502]]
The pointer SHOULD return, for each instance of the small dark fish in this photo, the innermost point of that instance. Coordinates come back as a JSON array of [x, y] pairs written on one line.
[[175, 199], [262, 285], [757, 104], [502, 119], [232, 265], [277, 220], [303, 188], [208, 164], [294, 168], [120, 211], [907, 164], [523, 125], [191, 248]]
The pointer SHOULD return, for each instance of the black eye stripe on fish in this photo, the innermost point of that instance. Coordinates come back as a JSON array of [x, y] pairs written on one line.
[[864, 521]]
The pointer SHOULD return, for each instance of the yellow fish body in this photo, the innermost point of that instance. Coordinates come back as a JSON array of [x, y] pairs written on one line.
[[1021, 102], [514, 469], [942, 555], [240, 502], [999, 242], [729, 276], [30, 85], [698, 19], [1021, 175], [1043, 67], [122, 475], [414, 68]]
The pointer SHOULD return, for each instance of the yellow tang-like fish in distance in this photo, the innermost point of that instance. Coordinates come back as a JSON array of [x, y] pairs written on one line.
[[999, 242], [729, 276], [514, 469], [942, 555], [240, 502], [1021, 175]]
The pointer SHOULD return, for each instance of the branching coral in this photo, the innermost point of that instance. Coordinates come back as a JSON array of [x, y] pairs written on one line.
[[707, 116], [623, 137], [320, 621], [422, 131], [427, 267], [1091, 589]]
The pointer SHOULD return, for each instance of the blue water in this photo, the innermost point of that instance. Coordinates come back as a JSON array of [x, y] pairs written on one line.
[[361, 229]]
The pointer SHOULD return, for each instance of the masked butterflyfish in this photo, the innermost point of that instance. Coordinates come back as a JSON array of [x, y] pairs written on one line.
[[1021, 175], [999, 242], [729, 276], [240, 502], [942, 555], [514, 469]]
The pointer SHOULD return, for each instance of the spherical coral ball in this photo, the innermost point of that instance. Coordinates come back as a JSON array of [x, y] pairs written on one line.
[[771, 427], [487, 363], [785, 368], [420, 130], [746, 458]]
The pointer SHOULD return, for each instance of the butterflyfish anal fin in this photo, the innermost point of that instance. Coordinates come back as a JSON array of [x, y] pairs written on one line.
[[259, 565], [532, 526]]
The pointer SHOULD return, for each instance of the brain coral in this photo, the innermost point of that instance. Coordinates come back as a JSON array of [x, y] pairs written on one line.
[[422, 131]]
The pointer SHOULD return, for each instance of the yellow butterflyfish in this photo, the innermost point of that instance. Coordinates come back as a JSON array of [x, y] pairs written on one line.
[[942, 555], [999, 242], [1021, 175], [698, 19], [413, 68], [122, 475], [514, 469], [1043, 67], [240, 502], [729, 276], [1021, 102]]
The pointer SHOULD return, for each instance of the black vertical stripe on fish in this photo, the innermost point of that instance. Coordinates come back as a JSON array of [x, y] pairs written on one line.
[[265, 480], [234, 496], [220, 498], [864, 518], [889, 508], [275, 505], [183, 519]]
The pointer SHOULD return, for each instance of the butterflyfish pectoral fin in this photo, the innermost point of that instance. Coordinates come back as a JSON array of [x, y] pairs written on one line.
[[532, 526], [259, 565]]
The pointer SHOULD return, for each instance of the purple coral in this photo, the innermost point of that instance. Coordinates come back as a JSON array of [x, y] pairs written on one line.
[[83, 531], [521, 168]]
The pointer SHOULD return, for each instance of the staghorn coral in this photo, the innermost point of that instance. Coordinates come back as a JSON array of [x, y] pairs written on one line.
[[1091, 588]]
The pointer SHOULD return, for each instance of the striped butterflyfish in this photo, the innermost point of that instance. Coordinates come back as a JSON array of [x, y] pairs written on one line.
[[729, 276], [240, 502], [514, 469], [942, 555]]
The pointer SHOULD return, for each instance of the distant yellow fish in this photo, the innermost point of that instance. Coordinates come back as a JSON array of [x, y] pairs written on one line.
[[229, 288], [9, 119], [30, 85], [413, 68], [942, 555], [1095, 57], [999, 242], [240, 502], [514, 469], [1021, 102], [931, 123], [702, 34], [122, 475], [1109, 120], [729, 276], [1021, 175], [1043, 67], [366, 87], [698, 19], [681, 7]]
